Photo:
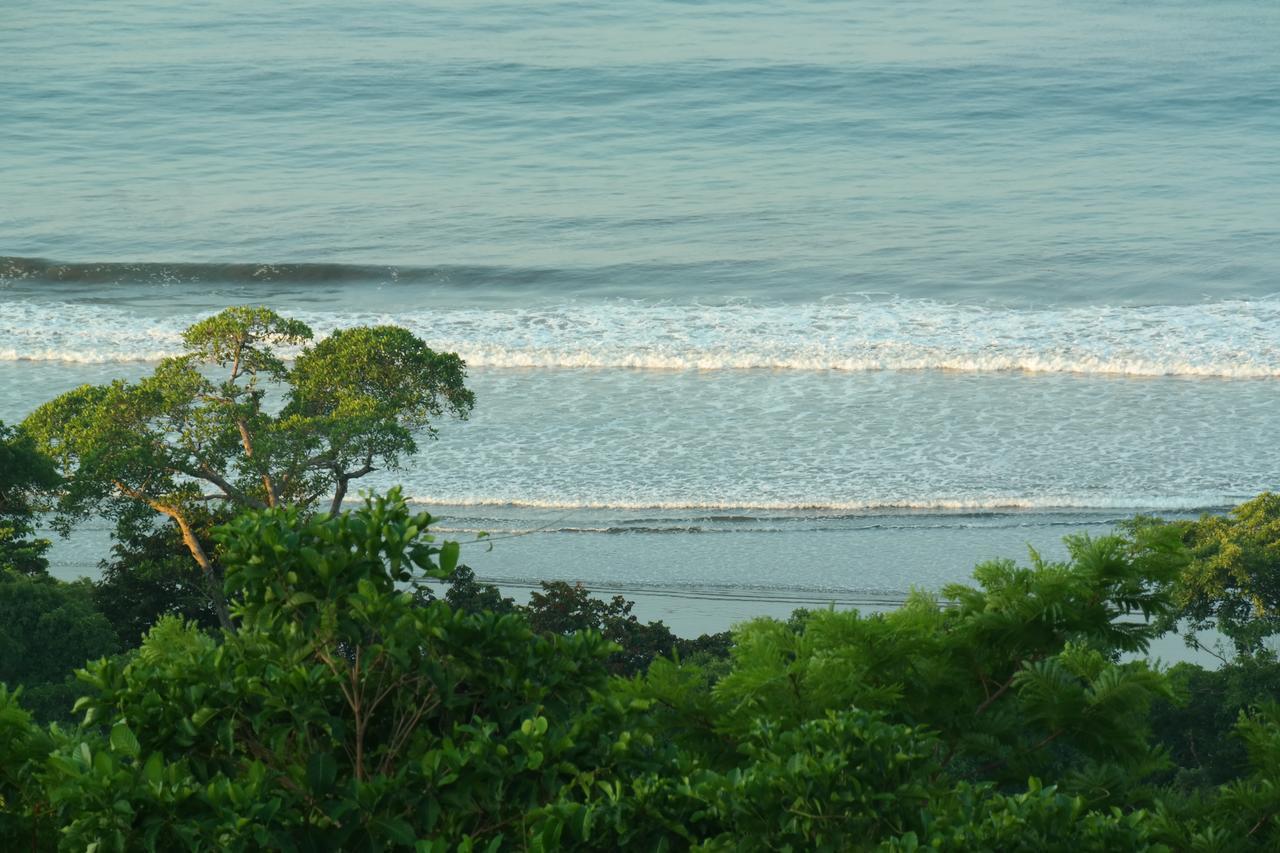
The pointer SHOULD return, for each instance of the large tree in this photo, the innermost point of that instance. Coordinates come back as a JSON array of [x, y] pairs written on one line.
[[230, 424]]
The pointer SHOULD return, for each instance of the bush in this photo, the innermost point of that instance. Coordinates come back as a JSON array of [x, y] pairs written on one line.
[[24, 816], [347, 713], [342, 715], [48, 628]]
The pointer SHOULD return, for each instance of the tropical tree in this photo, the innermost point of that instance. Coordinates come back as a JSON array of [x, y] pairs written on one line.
[[24, 473], [230, 425], [1232, 583]]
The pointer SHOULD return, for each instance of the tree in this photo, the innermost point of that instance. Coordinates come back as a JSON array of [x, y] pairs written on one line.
[[562, 608], [468, 594], [1198, 728], [1232, 583], [916, 729], [187, 445], [343, 714], [1015, 674], [24, 473]]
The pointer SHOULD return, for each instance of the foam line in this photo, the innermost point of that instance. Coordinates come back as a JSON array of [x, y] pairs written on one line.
[[1227, 339]]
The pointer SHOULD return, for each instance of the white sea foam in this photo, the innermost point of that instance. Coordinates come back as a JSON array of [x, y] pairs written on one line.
[[1229, 339], [1126, 503]]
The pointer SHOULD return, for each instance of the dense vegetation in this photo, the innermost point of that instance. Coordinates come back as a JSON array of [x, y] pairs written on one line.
[[349, 712], [335, 680]]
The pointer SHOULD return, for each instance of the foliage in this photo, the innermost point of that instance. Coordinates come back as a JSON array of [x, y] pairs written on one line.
[[826, 784], [467, 594], [1241, 814], [341, 715], [178, 441], [563, 608], [1024, 660], [24, 818], [24, 473], [349, 712], [908, 729], [47, 629], [1198, 727], [1232, 583], [848, 781], [149, 575]]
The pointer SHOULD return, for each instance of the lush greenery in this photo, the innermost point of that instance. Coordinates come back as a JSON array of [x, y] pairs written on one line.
[[349, 712], [1233, 583], [300, 685], [25, 473], [562, 608], [191, 448]]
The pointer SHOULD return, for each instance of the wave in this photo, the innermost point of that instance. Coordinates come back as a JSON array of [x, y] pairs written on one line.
[[1224, 339], [951, 506], [42, 270]]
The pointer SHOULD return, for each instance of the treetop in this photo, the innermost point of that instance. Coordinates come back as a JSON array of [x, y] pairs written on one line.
[[240, 337]]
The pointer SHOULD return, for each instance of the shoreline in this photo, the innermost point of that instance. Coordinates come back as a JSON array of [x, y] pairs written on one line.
[[700, 583]]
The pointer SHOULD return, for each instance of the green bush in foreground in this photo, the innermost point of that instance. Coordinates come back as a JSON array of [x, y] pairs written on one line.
[[346, 713], [342, 715]]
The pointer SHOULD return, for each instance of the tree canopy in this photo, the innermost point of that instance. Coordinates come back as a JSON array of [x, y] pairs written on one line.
[[231, 424], [349, 713], [24, 474], [1232, 583]]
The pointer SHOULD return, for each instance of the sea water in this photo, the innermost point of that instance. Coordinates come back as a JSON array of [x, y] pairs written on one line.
[[791, 301]]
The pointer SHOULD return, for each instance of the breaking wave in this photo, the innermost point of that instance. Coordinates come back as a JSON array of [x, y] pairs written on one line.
[[1226, 339]]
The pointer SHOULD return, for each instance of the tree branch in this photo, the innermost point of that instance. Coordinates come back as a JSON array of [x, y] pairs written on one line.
[[204, 472], [190, 540], [246, 441], [344, 478], [1003, 689]]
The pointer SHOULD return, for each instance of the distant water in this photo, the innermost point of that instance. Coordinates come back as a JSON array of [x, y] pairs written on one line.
[[792, 272]]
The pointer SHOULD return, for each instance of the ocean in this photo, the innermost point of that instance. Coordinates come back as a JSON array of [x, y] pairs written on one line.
[[763, 303]]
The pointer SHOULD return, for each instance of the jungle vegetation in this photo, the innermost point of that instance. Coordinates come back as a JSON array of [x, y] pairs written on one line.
[[352, 686]]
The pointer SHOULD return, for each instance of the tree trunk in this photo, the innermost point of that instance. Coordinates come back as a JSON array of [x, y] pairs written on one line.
[[246, 441], [339, 493], [213, 584], [212, 576], [344, 481]]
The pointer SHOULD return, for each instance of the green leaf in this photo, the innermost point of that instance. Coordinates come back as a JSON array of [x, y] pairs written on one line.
[[153, 770], [124, 741], [322, 770], [448, 556], [397, 829]]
